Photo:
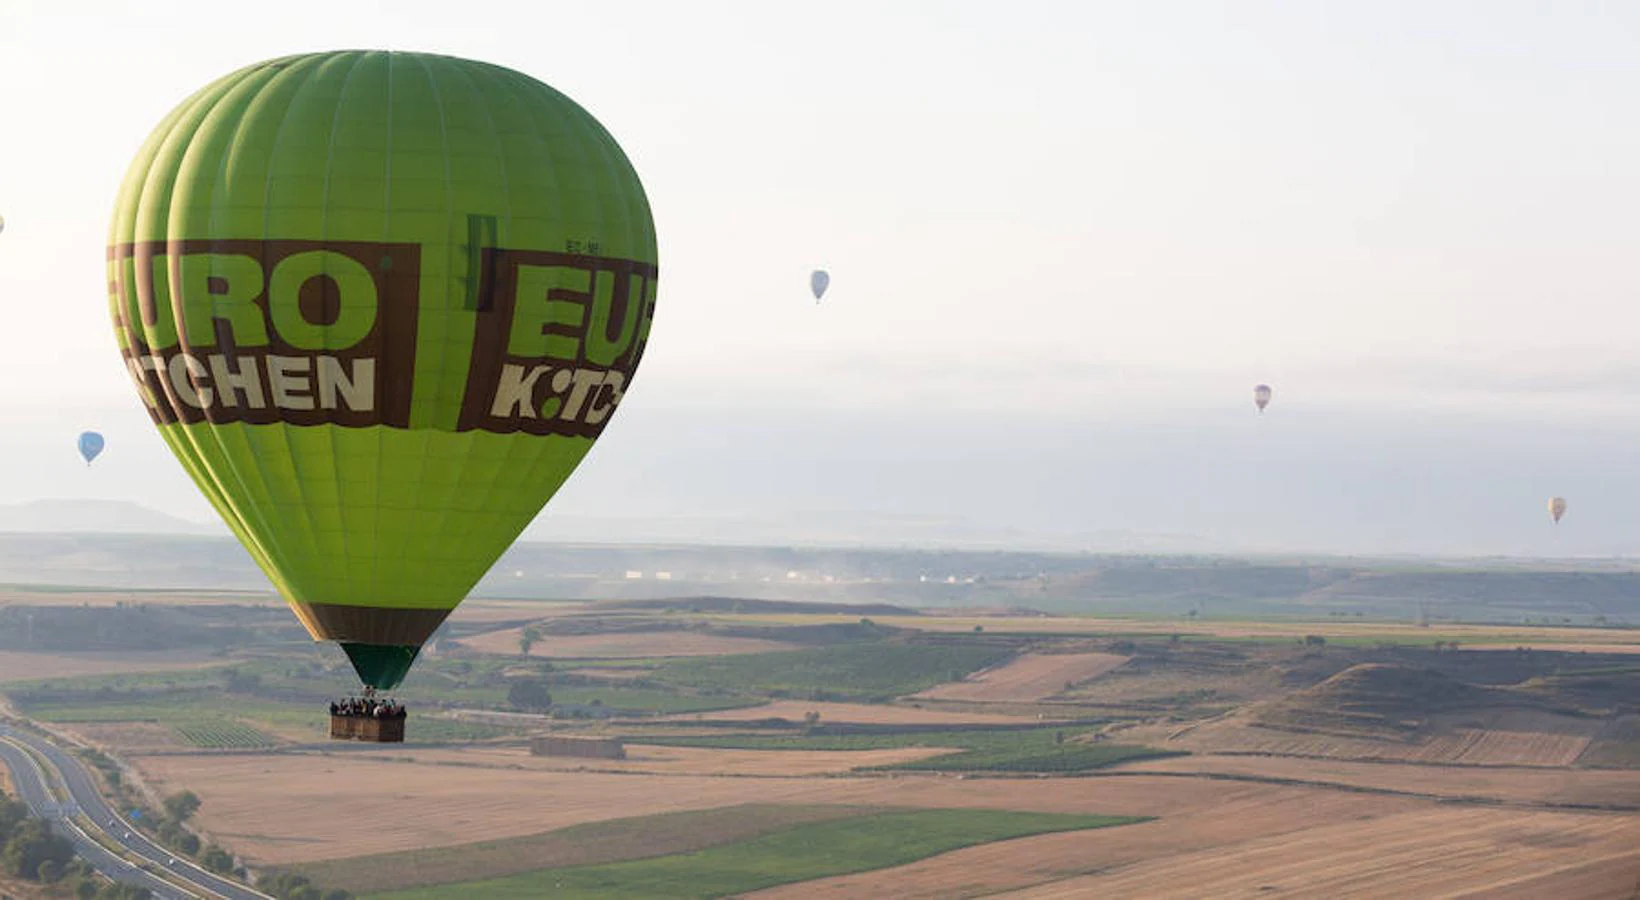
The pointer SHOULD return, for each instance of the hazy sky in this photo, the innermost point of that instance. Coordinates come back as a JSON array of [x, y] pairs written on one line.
[[1065, 240]]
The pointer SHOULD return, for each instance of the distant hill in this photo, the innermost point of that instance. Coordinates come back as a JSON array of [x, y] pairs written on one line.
[[1380, 700], [97, 517]]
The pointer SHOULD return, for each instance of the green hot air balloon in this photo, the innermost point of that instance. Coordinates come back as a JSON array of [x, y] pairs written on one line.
[[380, 305]]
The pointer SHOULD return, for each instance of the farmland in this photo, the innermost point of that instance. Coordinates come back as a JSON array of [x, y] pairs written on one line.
[[1035, 676], [792, 732], [797, 853], [222, 735]]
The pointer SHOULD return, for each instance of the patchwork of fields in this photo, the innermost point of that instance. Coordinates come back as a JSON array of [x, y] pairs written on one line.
[[1032, 757]]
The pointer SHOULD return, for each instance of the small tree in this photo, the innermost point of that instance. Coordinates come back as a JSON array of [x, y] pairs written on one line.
[[1314, 640], [528, 638], [529, 694], [978, 628], [216, 859], [180, 806]]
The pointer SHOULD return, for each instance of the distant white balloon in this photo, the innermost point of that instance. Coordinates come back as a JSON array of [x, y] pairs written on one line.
[[818, 283], [2, 223]]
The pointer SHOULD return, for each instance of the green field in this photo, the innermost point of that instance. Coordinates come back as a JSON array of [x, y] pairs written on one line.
[[222, 735], [875, 671], [1013, 750], [801, 853]]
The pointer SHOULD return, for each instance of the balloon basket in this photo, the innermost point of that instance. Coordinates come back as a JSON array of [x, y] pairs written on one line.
[[367, 728]]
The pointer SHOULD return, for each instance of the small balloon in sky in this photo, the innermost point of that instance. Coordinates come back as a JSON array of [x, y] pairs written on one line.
[[1261, 396], [2, 223], [1557, 508], [91, 444], [818, 283]]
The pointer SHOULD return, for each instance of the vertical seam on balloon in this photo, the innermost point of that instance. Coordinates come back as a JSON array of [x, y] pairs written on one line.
[[379, 430], [245, 512], [449, 259], [281, 429], [324, 237], [534, 449], [177, 435], [463, 68]]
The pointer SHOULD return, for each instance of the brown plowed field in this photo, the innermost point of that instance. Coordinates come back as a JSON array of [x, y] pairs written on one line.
[[676, 760], [1427, 853], [1033, 676], [263, 805], [862, 713], [1507, 784], [623, 645]]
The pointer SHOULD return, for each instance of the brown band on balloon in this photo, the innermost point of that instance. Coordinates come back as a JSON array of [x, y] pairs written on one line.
[[370, 624], [271, 381]]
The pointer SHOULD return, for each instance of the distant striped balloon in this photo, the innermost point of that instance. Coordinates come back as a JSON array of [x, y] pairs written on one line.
[[1557, 508]]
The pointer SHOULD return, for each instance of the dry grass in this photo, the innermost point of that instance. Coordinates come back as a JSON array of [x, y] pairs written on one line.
[[268, 807], [646, 758], [622, 645], [1034, 676], [1522, 785], [860, 713], [128, 737], [17, 666], [1425, 853]]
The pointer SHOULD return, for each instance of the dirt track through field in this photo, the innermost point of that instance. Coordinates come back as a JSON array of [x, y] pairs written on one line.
[[623, 645], [1033, 676]]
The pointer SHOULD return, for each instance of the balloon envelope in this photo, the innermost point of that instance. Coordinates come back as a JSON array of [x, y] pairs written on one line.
[[1557, 508], [818, 282], [91, 444], [1261, 396], [380, 305]]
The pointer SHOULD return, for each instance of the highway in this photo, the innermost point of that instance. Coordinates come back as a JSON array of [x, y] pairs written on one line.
[[63, 769]]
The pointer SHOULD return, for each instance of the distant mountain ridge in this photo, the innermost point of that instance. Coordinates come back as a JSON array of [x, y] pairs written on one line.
[[97, 517]]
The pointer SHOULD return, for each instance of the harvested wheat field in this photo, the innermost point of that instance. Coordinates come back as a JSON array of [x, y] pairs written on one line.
[[859, 713], [1436, 852], [623, 645], [651, 758], [263, 805], [1509, 784], [126, 737], [16, 666], [1034, 676], [1494, 737], [1255, 812]]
